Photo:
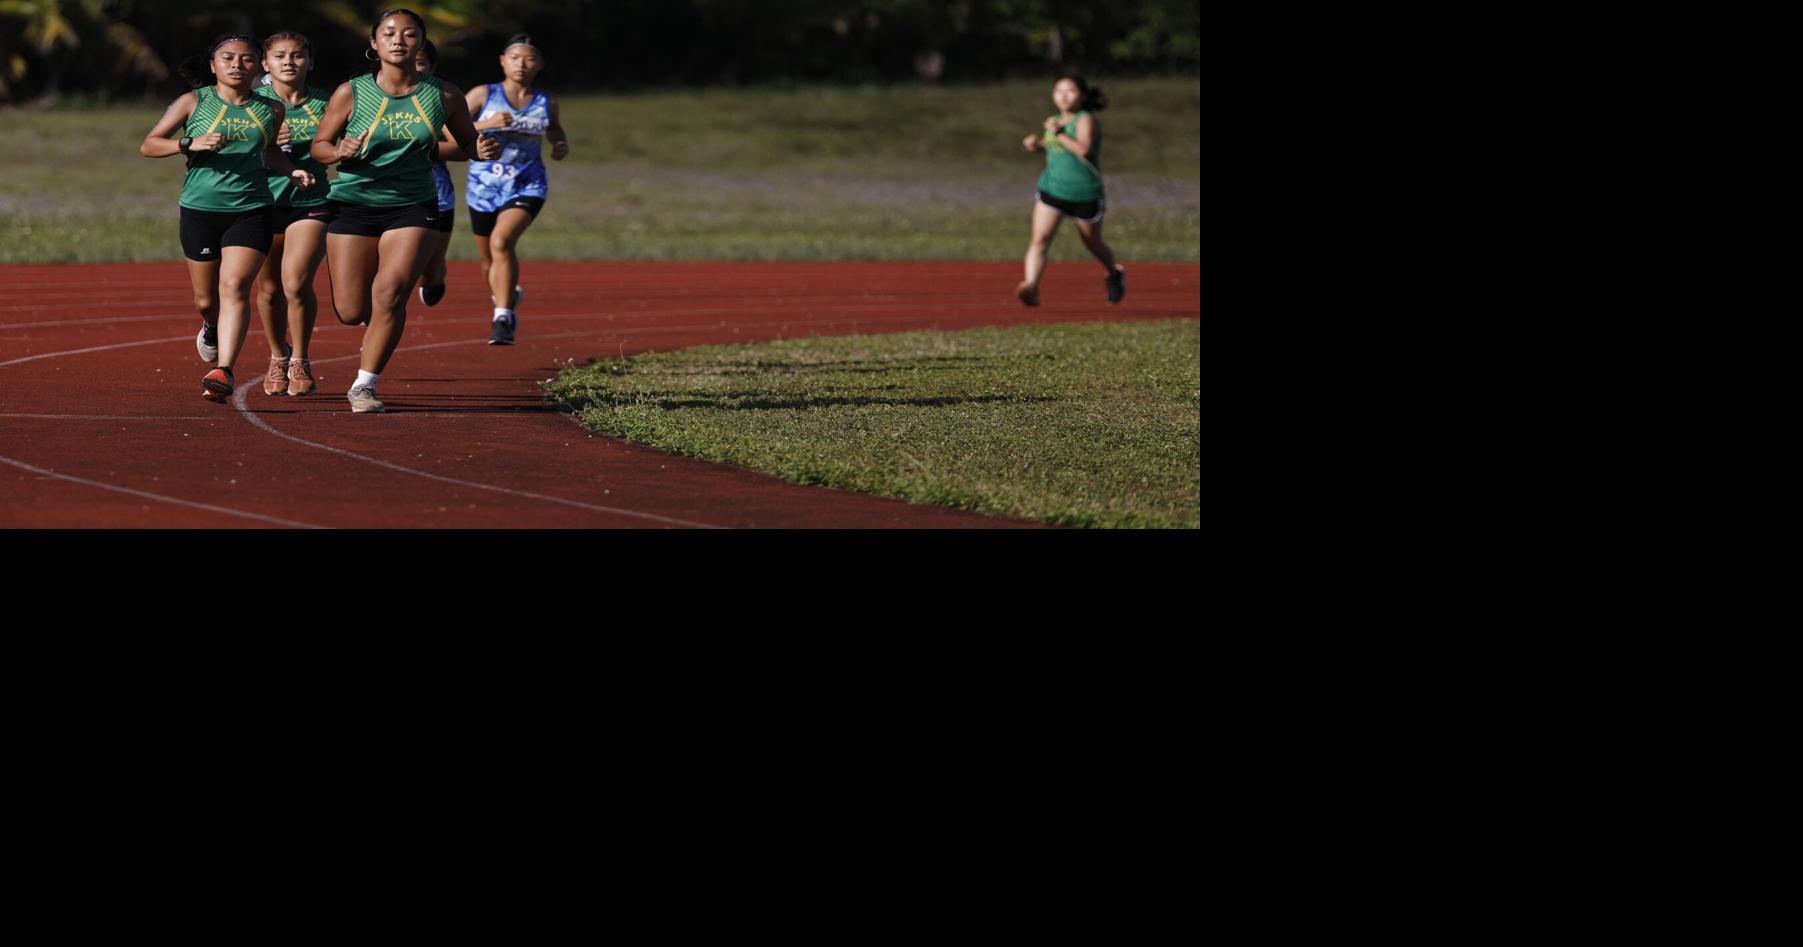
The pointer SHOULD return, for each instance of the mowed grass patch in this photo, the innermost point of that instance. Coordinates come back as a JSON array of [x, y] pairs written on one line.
[[810, 173], [1095, 424]]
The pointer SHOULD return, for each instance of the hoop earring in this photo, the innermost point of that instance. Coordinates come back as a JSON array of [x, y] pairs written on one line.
[[370, 54]]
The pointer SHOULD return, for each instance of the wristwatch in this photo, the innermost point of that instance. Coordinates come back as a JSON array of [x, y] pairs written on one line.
[[183, 144]]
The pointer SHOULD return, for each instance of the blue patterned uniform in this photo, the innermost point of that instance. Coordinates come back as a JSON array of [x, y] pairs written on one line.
[[447, 195], [520, 171]]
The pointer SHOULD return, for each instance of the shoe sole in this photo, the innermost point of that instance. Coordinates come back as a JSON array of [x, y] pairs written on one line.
[[215, 392], [368, 409]]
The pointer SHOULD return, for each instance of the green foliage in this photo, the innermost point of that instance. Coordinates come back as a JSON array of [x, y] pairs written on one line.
[[54, 48], [1085, 425]]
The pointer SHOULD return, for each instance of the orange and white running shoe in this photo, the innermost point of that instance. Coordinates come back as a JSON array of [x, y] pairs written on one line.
[[300, 377], [217, 386], [275, 381]]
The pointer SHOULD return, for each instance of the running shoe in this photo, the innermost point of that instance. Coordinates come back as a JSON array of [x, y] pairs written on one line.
[[1028, 294], [300, 377], [363, 400], [207, 343], [1117, 286], [275, 381], [430, 295], [502, 333], [217, 386]]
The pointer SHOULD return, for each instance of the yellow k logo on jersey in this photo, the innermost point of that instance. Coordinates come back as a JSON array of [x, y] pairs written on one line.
[[401, 125], [237, 129]]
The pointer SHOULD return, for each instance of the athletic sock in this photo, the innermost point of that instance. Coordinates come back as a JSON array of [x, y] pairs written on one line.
[[365, 379], [503, 314]]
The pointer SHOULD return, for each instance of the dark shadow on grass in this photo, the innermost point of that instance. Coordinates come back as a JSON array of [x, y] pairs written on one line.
[[729, 402], [846, 365]]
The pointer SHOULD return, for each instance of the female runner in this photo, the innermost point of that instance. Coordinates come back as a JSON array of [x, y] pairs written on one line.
[[379, 129], [505, 195], [285, 294], [228, 134], [1071, 185]]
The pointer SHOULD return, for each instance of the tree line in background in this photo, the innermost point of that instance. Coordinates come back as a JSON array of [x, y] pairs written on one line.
[[50, 49]]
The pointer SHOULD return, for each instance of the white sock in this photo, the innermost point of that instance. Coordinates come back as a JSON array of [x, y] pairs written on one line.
[[365, 379], [503, 314]]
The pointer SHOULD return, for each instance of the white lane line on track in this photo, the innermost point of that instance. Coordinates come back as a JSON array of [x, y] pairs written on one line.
[[97, 348], [244, 409], [111, 417], [908, 305], [52, 323], [278, 521]]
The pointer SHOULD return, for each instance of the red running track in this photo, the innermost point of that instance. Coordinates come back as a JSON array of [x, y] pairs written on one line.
[[102, 423]]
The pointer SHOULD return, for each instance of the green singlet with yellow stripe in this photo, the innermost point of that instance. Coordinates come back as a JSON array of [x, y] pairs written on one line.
[[231, 177], [1068, 177], [303, 120], [399, 132]]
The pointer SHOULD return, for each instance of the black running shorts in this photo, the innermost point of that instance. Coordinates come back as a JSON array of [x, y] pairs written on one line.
[[482, 223], [206, 233], [288, 215], [446, 219], [359, 220], [1085, 211]]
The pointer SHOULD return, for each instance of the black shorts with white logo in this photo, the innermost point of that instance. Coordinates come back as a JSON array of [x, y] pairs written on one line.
[[447, 217], [1087, 212], [324, 213], [482, 222], [205, 233], [361, 220]]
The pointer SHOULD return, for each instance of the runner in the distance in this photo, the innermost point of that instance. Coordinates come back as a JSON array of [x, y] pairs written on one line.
[[506, 194], [1071, 185]]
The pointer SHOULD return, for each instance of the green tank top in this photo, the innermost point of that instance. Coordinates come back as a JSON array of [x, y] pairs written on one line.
[[231, 177], [399, 133], [1066, 176], [303, 120]]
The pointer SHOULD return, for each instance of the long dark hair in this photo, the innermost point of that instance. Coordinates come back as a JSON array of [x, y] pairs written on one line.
[[193, 70], [1093, 99]]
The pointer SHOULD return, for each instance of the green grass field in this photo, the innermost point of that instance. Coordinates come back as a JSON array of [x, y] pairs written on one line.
[[907, 172], [1095, 425]]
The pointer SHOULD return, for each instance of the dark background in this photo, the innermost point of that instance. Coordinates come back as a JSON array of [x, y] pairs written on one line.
[[96, 50]]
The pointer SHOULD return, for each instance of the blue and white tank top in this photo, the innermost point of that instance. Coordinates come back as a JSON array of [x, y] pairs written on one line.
[[447, 195], [520, 170]]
